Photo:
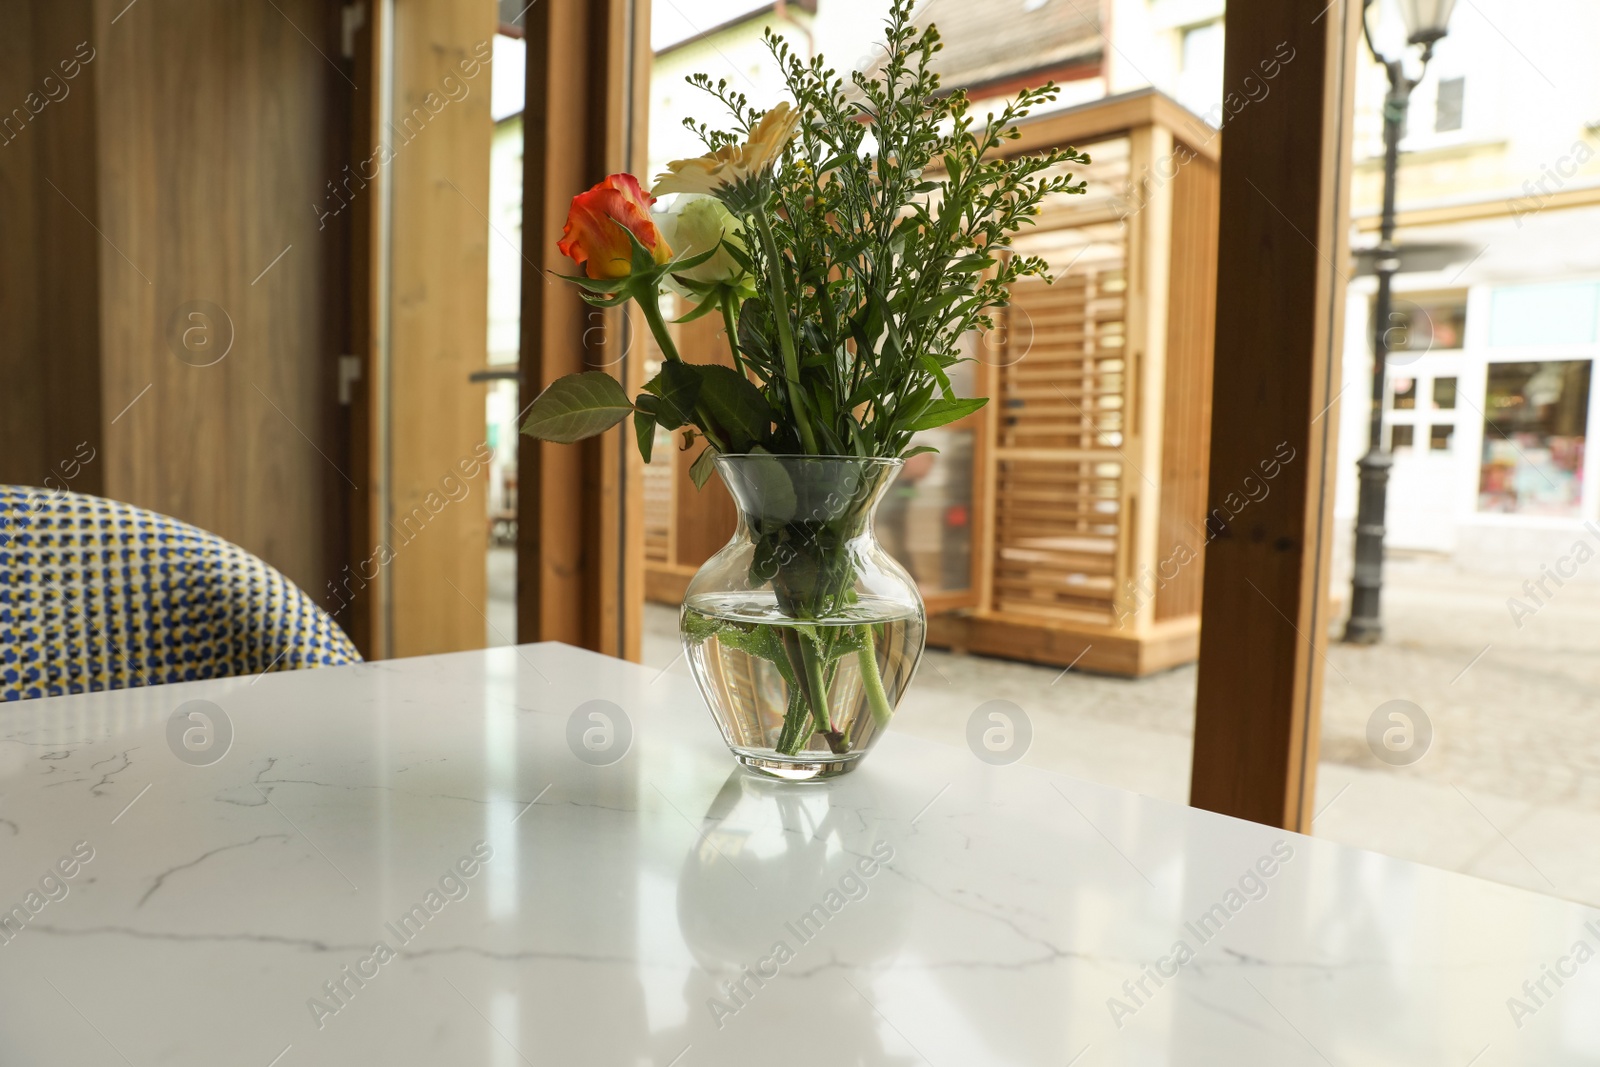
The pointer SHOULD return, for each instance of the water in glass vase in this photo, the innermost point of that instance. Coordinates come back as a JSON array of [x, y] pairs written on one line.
[[795, 698]]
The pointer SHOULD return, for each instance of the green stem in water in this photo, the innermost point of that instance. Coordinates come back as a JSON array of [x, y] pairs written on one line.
[[818, 687], [791, 361], [796, 723], [808, 697], [871, 680]]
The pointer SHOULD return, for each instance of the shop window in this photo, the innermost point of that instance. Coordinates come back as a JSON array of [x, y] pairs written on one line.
[[1405, 394], [1562, 313], [1535, 423], [1444, 394], [1440, 437], [1427, 322], [1401, 438]]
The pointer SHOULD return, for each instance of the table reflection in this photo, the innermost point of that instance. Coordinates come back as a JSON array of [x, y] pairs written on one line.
[[788, 884]]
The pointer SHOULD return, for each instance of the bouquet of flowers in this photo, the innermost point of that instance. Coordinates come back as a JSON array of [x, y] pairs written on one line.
[[848, 238]]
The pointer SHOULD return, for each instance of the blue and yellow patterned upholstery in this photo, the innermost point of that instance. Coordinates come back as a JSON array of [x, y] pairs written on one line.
[[100, 595]]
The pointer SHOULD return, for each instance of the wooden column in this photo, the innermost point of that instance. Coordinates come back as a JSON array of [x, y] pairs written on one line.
[[429, 430], [580, 536], [1281, 275]]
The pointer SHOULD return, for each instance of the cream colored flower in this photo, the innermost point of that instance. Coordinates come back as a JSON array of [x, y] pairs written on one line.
[[733, 164]]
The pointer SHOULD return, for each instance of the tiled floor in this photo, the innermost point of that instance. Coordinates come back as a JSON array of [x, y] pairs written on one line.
[[1509, 789]]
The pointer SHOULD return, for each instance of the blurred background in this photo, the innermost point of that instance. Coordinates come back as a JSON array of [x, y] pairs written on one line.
[[263, 268]]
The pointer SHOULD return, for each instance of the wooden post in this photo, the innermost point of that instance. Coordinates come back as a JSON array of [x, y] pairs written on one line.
[[439, 131], [580, 541], [1280, 296]]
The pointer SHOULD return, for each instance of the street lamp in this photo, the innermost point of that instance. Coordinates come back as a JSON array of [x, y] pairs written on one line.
[[1426, 22]]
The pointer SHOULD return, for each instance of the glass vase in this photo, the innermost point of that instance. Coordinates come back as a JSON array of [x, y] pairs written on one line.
[[802, 632]]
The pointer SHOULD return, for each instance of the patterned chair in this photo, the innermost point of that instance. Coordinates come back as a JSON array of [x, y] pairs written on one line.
[[100, 595]]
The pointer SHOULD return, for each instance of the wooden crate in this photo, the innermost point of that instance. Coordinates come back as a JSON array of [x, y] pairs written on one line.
[[1090, 464]]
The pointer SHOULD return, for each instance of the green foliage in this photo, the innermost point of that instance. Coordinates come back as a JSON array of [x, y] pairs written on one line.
[[880, 237], [884, 236], [577, 406]]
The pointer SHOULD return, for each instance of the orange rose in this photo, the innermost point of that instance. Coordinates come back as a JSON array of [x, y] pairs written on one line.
[[593, 236]]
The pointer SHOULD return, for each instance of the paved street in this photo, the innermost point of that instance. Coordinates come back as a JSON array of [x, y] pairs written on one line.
[[1508, 790]]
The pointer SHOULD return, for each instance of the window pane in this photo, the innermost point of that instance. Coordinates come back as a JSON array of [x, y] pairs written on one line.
[[1425, 322], [1559, 314], [505, 328], [1199, 85], [1459, 635], [1444, 394], [1447, 111], [1535, 420], [1405, 394]]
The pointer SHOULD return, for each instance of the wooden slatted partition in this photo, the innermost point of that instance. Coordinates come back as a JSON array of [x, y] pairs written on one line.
[[1059, 420], [1092, 539]]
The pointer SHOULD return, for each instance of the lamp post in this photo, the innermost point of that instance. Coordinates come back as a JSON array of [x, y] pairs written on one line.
[[1425, 22]]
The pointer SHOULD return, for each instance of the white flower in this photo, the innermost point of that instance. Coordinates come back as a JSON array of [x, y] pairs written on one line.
[[697, 224]]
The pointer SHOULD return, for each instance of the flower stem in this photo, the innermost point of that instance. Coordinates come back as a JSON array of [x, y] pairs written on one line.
[[650, 304], [818, 687], [871, 680], [658, 326], [791, 361], [731, 324], [807, 660]]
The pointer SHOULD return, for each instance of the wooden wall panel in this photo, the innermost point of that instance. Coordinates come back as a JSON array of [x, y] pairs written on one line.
[[49, 254], [212, 147], [440, 135], [178, 164]]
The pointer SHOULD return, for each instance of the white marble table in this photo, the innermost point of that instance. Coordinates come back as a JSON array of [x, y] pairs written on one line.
[[930, 908]]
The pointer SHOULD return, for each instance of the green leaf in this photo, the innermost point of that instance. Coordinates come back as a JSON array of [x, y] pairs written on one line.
[[644, 428], [939, 412], [678, 386], [735, 407], [700, 470], [577, 406], [705, 307], [919, 450], [931, 365], [719, 400], [595, 285], [763, 482]]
